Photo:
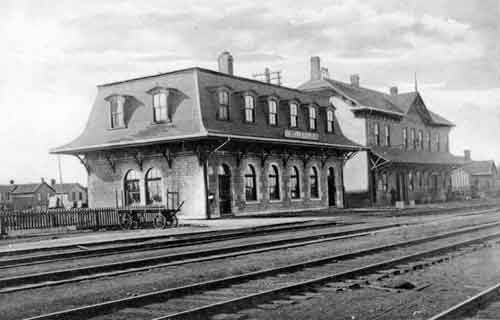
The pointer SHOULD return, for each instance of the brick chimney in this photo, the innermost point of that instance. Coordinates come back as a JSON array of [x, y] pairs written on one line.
[[11, 181], [42, 180], [53, 182], [355, 80], [467, 155], [315, 68], [226, 63], [394, 91]]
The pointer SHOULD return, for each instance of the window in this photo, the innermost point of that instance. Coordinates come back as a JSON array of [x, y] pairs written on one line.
[[429, 147], [387, 135], [273, 112], [153, 187], [223, 112], [80, 196], [329, 122], [410, 181], [132, 189], [385, 182], [273, 183], [446, 144], [421, 139], [294, 183], [376, 133], [418, 179], [73, 196], [413, 139], [250, 184], [293, 114], [117, 113], [160, 107], [437, 143], [249, 108], [313, 183], [312, 118], [405, 138]]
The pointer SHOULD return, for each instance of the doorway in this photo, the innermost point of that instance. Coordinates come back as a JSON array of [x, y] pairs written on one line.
[[332, 191], [402, 194], [224, 175]]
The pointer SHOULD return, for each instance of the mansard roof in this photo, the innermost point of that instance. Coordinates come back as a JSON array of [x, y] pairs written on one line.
[[194, 112], [377, 100]]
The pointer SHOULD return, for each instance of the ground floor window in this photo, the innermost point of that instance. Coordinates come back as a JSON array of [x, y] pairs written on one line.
[[153, 187], [294, 183], [132, 188], [250, 184], [313, 182], [411, 183], [273, 183]]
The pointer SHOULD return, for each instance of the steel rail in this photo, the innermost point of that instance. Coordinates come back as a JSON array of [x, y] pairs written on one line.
[[470, 305], [86, 312]]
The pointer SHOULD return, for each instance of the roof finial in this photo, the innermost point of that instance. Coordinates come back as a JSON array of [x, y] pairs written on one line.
[[416, 83]]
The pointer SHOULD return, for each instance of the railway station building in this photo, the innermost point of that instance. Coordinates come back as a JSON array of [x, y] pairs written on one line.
[[408, 158], [227, 145]]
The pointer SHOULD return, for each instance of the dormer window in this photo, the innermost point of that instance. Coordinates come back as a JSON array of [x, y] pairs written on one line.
[[312, 118], [223, 112], [329, 121], [294, 111], [249, 108], [117, 114], [273, 112], [160, 107]]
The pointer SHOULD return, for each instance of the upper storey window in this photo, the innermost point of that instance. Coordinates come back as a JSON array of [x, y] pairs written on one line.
[[273, 112], [329, 121], [294, 112], [429, 141], [312, 118], [376, 133], [446, 144], [421, 139], [223, 111], [405, 138], [160, 106], [249, 108], [117, 113], [413, 139], [438, 147], [387, 135]]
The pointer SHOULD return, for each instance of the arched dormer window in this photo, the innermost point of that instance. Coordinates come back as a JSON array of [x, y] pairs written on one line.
[[272, 105], [116, 111], [330, 124], [294, 114], [223, 110], [160, 104], [312, 118], [249, 108]]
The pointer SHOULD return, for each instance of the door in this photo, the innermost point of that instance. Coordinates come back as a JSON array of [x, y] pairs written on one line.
[[224, 190], [332, 192], [401, 185]]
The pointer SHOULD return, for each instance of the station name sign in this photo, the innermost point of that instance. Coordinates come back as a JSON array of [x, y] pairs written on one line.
[[306, 135]]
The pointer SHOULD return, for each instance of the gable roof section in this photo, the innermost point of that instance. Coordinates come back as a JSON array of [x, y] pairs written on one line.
[[27, 188], [67, 187], [5, 188], [486, 167], [417, 157], [399, 104]]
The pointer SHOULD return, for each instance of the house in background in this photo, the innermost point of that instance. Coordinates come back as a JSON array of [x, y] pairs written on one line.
[[475, 178], [409, 158], [5, 200], [68, 195], [31, 196]]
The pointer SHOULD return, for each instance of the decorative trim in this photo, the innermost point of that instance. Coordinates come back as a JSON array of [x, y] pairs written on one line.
[[84, 161]]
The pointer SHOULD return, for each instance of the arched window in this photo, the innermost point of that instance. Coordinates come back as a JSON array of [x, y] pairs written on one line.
[[313, 182], [250, 184], [132, 188], [410, 181], [153, 187], [273, 183], [223, 112], [249, 108], [294, 183]]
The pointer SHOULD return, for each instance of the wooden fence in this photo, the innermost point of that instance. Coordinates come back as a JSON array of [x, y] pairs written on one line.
[[79, 219]]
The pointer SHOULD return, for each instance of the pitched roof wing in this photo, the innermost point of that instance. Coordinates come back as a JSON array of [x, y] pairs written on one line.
[[486, 167], [417, 157]]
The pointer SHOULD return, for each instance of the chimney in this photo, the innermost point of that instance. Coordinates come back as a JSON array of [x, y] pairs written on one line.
[[53, 182], [226, 63], [325, 74], [11, 181], [42, 180], [315, 68], [394, 91], [355, 80], [467, 155]]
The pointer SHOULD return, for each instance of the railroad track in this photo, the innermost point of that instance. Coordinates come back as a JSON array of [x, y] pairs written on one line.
[[229, 294], [99, 249], [63, 276], [483, 306]]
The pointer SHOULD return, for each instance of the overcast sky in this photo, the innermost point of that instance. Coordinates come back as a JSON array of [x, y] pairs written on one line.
[[54, 53]]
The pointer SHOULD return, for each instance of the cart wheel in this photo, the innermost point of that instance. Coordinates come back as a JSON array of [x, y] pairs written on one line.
[[160, 221], [171, 222], [126, 221]]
